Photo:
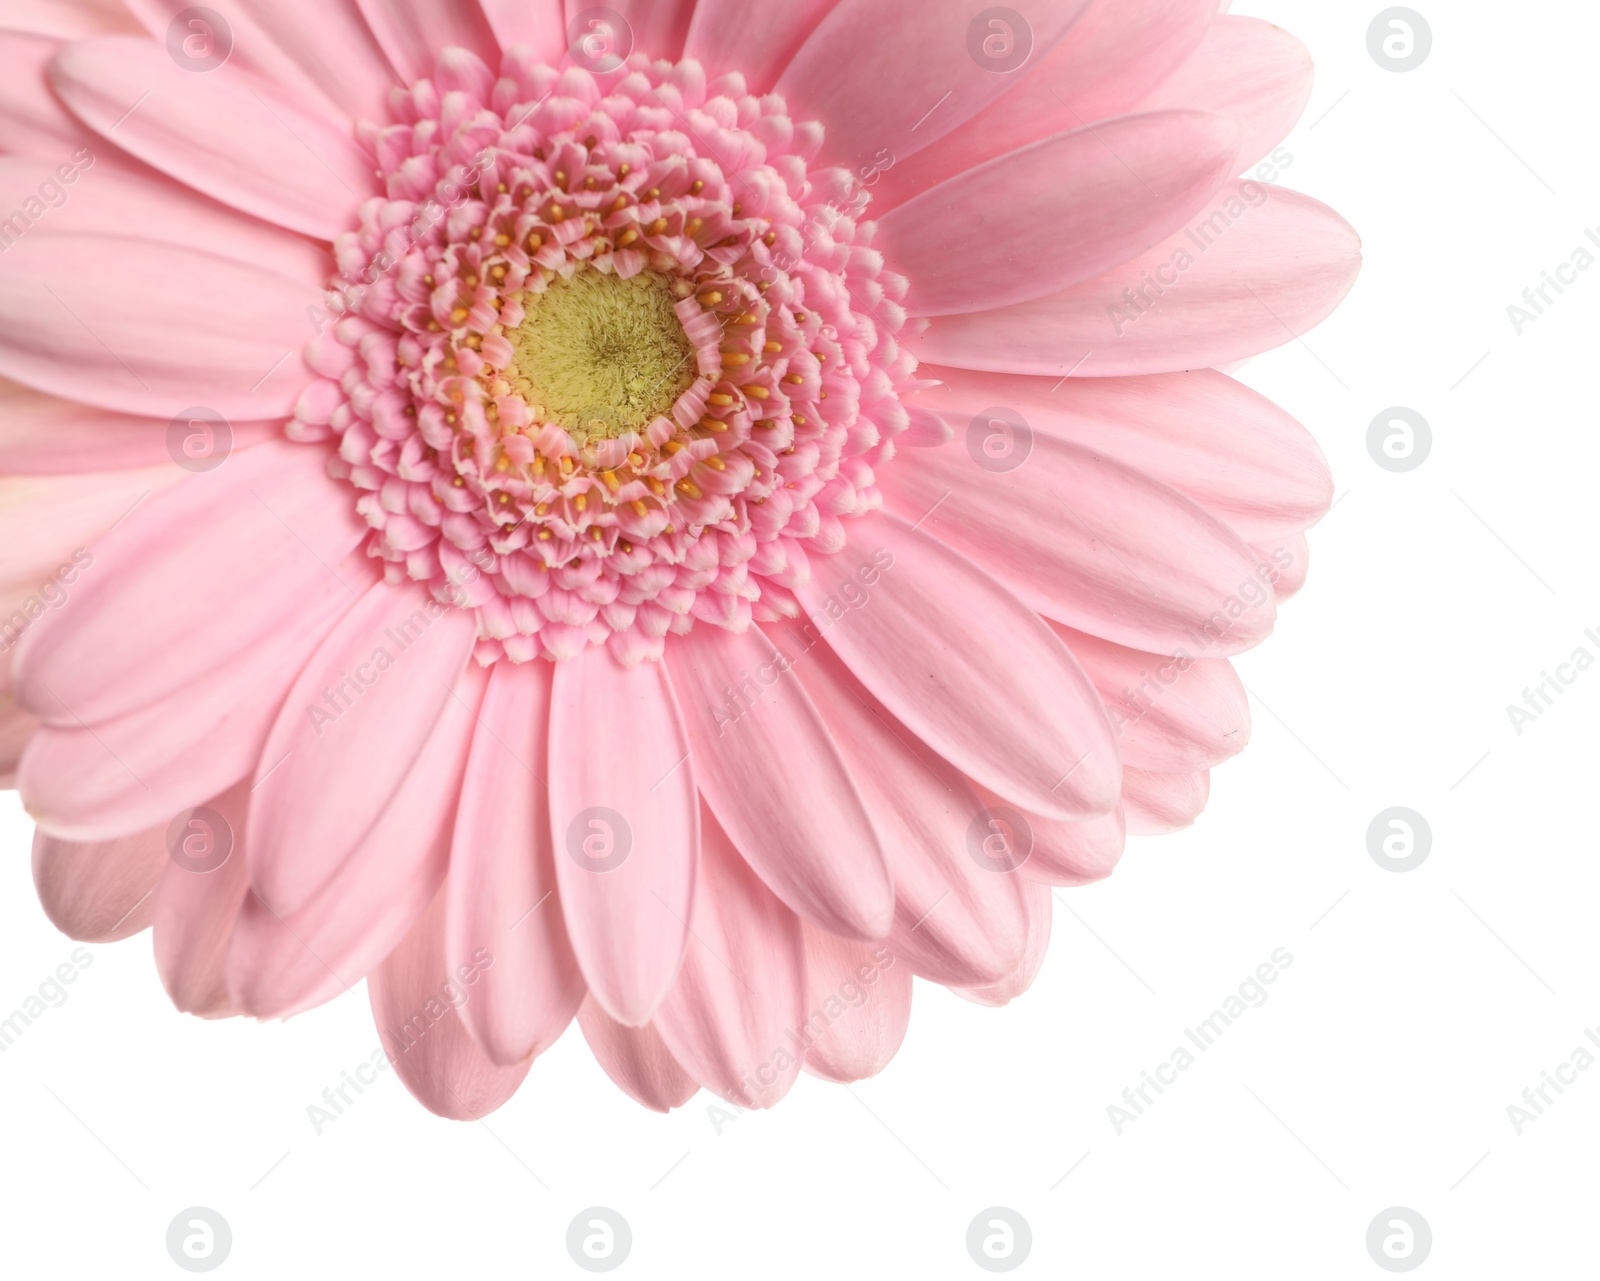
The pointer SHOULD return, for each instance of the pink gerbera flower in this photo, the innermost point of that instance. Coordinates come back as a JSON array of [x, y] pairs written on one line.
[[681, 515]]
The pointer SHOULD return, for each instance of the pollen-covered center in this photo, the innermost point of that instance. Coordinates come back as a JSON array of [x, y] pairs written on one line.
[[607, 361], [600, 355]]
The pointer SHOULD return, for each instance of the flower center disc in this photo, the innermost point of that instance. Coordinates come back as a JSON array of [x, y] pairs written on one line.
[[601, 356]]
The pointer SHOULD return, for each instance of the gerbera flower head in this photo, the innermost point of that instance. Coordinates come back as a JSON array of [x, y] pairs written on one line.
[[660, 515]]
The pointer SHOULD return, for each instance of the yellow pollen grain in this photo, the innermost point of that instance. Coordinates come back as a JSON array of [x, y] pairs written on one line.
[[755, 391], [773, 347], [688, 489], [639, 508], [696, 187], [716, 464], [627, 238]]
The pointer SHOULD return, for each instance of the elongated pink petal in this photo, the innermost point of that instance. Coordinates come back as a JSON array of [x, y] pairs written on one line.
[[636, 1060], [1172, 714], [941, 644], [47, 520], [278, 966], [1290, 559], [757, 42], [1094, 544], [417, 998], [1105, 194], [16, 728], [101, 320], [1063, 853], [33, 121], [320, 50], [45, 436], [1114, 54], [1159, 803], [1020, 979], [540, 25], [625, 824], [227, 133], [501, 898], [103, 891], [958, 917], [275, 524], [1229, 448], [413, 33], [874, 106], [858, 1005], [1261, 268], [772, 774], [195, 908], [1256, 74], [732, 1017], [352, 729], [68, 19]]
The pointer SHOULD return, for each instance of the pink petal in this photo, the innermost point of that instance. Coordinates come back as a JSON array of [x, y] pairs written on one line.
[[1260, 269], [103, 891], [278, 966], [33, 120], [275, 525], [875, 103], [1092, 543], [1159, 803], [1020, 979], [1115, 54], [68, 19], [46, 520], [758, 42], [416, 1002], [1256, 74], [773, 775], [539, 24], [99, 319], [501, 875], [353, 728], [43, 436], [656, 28], [1172, 714], [227, 133], [956, 920], [195, 911], [319, 50], [942, 645], [731, 1016], [413, 33], [1290, 558], [636, 1059], [626, 827], [1227, 447], [16, 728], [1075, 853], [858, 1004], [1099, 196]]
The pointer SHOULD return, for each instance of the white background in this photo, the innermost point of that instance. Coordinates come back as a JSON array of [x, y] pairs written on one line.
[[1418, 1007]]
